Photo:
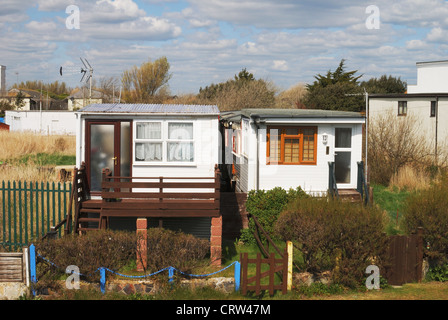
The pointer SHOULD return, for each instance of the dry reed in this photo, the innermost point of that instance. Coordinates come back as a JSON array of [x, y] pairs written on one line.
[[16, 145], [410, 178]]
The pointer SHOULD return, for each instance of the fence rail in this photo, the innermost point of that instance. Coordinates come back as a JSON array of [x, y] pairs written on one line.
[[33, 272], [29, 210]]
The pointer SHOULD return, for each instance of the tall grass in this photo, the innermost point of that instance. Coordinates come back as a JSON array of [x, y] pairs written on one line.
[[23, 155], [411, 178], [16, 144]]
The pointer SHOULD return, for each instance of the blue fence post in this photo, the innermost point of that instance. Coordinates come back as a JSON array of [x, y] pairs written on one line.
[[33, 277], [237, 275], [171, 274], [103, 280]]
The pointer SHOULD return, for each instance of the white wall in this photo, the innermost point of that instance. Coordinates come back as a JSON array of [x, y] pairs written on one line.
[[206, 139], [311, 178], [45, 122], [431, 77], [419, 109]]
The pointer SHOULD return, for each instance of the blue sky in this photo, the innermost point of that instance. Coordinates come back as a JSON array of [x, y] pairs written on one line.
[[284, 41]]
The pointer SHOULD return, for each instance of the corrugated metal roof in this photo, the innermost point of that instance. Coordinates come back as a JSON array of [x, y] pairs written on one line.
[[151, 108]]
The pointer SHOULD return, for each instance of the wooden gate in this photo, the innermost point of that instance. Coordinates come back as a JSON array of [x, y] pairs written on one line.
[[406, 259], [275, 266]]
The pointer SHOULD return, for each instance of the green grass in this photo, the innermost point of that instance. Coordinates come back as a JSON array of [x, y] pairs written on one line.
[[391, 201], [46, 159]]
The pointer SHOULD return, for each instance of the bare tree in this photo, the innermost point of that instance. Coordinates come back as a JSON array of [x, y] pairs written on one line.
[[292, 97], [395, 142], [142, 84], [109, 88]]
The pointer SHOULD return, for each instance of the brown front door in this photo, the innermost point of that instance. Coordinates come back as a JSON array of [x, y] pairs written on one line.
[[108, 145]]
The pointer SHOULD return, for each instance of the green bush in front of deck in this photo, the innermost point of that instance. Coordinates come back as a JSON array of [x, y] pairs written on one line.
[[266, 206]]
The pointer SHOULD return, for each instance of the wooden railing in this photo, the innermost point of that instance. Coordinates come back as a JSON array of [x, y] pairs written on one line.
[[160, 196], [362, 186], [332, 186]]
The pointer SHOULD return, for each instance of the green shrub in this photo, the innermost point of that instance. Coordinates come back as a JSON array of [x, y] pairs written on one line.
[[438, 273], [428, 209], [266, 206], [116, 250], [168, 248], [101, 248], [336, 236]]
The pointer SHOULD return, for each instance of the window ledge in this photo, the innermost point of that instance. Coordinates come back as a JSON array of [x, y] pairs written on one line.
[[164, 164]]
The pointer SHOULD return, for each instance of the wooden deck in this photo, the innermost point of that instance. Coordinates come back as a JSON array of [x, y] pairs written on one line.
[[139, 197]]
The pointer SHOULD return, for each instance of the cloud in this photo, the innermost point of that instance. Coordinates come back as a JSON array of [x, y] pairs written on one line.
[[280, 65], [279, 14], [105, 20], [286, 41], [436, 34]]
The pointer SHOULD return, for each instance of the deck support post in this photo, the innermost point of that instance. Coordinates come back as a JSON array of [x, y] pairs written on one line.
[[142, 249], [216, 241]]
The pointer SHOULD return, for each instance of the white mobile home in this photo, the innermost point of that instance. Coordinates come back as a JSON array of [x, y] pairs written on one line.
[[289, 148], [148, 144], [44, 122], [144, 140]]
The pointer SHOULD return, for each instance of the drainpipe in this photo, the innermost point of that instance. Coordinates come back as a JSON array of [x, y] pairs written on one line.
[[437, 129], [256, 120]]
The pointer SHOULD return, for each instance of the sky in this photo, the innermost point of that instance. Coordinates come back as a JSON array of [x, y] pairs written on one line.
[[283, 41]]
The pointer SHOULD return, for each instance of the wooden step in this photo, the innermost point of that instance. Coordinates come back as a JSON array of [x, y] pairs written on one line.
[[351, 195], [88, 210], [89, 220], [92, 204]]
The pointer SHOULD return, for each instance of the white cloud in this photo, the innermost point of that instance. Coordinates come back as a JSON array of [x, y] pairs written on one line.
[[280, 65], [210, 41], [436, 34], [416, 44]]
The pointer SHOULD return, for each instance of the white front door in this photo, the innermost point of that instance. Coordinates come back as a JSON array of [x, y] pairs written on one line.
[[343, 157]]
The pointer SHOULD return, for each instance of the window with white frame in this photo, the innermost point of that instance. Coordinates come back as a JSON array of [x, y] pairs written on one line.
[[161, 141], [180, 145]]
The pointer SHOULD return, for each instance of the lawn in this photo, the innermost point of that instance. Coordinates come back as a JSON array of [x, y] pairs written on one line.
[[392, 202], [410, 291]]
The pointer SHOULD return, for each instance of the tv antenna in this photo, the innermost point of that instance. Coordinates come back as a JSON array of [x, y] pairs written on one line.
[[89, 69], [87, 73]]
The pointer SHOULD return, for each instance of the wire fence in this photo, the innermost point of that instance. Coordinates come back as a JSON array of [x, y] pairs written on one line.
[[171, 270]]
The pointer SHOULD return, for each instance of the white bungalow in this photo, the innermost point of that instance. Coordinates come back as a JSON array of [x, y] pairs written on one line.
[[148, 140], [288, 148]]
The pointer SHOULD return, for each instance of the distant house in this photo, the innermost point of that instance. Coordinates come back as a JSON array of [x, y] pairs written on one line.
[[45, 122], [427, 102], [288, 148], [80, 98], [28, 100]]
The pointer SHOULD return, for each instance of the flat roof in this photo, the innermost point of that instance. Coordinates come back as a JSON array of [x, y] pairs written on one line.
[[289, 113], [150, 108], [408, 95], [428, 62]]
